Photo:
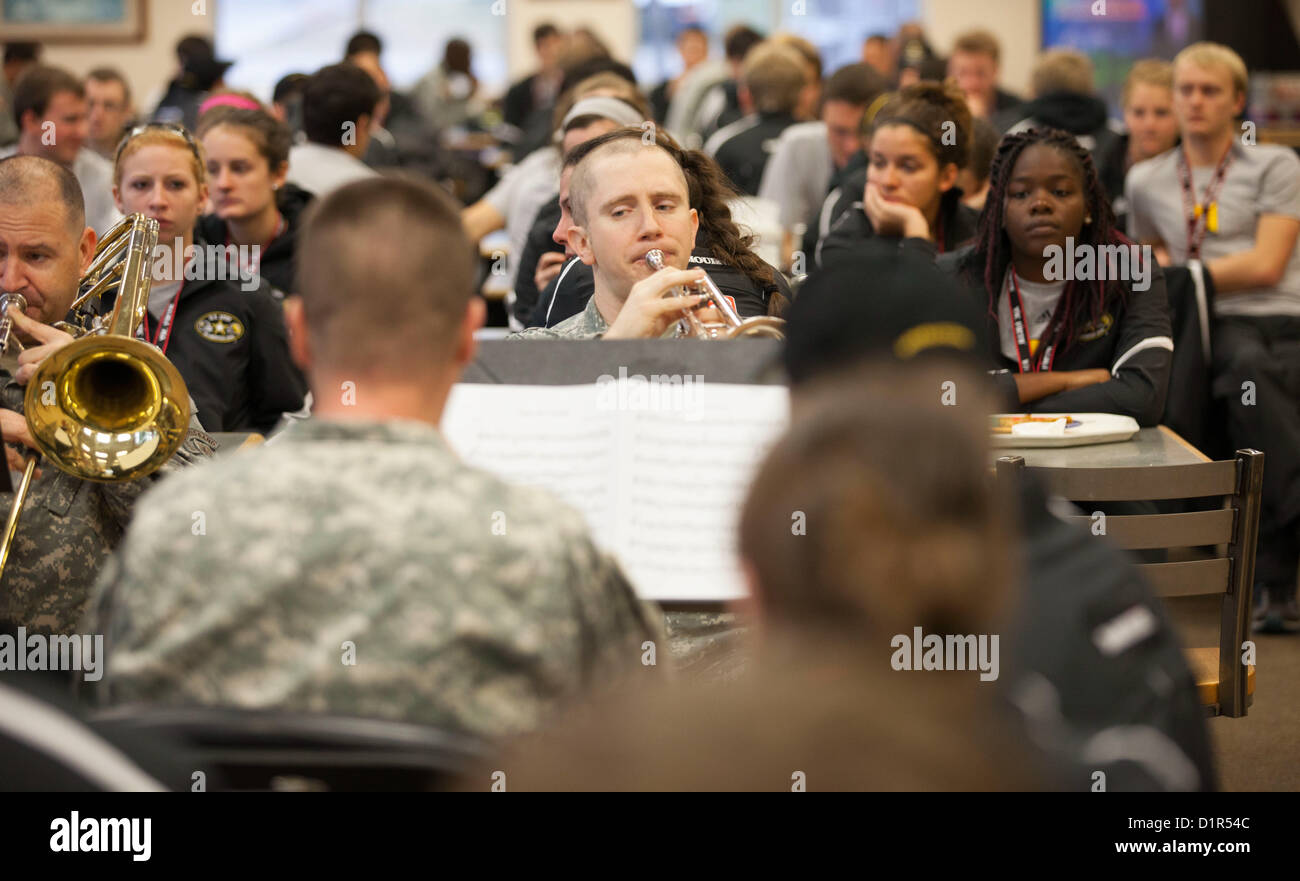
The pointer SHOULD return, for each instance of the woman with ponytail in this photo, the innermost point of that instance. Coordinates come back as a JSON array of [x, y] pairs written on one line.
[[920, 141], [1078, 314]]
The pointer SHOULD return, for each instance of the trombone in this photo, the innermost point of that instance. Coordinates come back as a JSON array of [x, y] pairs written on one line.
[[106, 407], [732, 325]]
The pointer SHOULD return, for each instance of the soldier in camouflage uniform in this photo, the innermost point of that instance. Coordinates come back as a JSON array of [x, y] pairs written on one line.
[[355, 565], [628, 198], [68, 526]]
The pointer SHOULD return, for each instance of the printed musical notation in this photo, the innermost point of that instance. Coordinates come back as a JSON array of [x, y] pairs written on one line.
[[661, 489]]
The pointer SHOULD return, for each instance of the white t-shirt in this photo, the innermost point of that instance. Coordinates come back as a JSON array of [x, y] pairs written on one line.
[[1040, 302], [320, 170]]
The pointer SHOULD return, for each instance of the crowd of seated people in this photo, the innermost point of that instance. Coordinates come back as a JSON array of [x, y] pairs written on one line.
[[317, 281]]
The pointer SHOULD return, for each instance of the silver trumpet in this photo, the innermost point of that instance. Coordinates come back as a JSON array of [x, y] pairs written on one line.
[[732, 325]]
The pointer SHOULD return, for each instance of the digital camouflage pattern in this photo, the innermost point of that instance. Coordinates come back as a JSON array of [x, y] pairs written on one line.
[[67, 529], [586, 325], [363, 569]]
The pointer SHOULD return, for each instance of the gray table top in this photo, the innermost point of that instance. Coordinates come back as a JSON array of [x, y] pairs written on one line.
[[1150, 446]]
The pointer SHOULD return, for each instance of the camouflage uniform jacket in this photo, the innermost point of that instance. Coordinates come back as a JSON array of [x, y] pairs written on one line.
[[67, 529], [586, 325], [362, 569]]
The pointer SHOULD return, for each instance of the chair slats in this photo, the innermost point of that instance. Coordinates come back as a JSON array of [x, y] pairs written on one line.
[[1188, 579], [1142, 484], [1191, 529]]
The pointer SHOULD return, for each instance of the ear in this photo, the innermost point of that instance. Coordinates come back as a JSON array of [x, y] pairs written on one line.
[[475, 315], [948, 177], [1239, 105], [117, 199], [86, 249], [29, 122], [280, 176], [295, 319], [581, 245], [695, 225]]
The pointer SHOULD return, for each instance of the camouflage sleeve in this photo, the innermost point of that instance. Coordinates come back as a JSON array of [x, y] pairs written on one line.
[[615, 623], [11, 393], [120, 498]]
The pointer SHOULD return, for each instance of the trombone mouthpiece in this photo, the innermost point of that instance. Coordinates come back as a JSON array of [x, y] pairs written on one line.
[[655, 259]]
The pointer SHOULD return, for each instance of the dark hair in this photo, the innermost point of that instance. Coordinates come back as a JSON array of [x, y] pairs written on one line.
[[709, 192], [983, 144], [289, 86], [989, 258], [111, 75], [22, 51], [589, 67], [334, 96], [544, 30], [271, 137], [21, 175], [363, 41], [390, 247], [194, 48], [857, 84], [739, 40], [456, 56], [38, 85], [936, 111]]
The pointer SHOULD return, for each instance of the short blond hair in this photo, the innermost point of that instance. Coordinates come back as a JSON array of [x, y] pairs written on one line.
[[978, 42], [1062, 70], [161, 137], [774, 75], [1206, 54], [1151, 72], [804, 47]]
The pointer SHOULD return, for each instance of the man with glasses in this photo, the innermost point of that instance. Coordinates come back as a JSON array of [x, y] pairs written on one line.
[[50, 109]]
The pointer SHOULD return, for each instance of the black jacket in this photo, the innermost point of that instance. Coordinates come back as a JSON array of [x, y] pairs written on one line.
[[232, 350], [568, 292], [852, 226], [277, 266], [537, 243], [1135, 330], [744, 155]]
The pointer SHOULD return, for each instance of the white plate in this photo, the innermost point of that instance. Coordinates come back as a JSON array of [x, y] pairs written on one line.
[[1096, 428]]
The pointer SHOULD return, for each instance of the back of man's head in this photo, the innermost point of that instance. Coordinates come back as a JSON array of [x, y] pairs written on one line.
[[1062, 70], [739, 40], [37, 87], [385, 273], [774, 75], [333, 97], [31, 180], [22, 53], [874, 514], [363, 41], [857, 84]]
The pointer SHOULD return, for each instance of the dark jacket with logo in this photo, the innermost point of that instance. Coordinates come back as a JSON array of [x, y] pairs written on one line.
[[958, 222], [568, 292], [277, 267], [232, 350], [1133, 342]]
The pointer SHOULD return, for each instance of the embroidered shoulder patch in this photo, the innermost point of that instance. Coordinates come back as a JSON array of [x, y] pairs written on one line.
[[219, 327]]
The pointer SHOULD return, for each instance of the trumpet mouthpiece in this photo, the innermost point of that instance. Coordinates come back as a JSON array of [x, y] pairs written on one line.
[[655, 259]]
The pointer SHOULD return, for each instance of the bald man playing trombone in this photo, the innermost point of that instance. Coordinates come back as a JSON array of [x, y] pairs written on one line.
[[68, 526]]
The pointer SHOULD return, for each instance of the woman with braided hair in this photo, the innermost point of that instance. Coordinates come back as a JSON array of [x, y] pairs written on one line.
[[1078, 314]]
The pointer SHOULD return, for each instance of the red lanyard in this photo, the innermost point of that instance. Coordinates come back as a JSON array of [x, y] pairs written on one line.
[[1193, 210], [163, 335], [280, 227], [1027, 362]]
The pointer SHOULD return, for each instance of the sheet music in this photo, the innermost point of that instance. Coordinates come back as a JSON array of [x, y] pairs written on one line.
[[660, 488]]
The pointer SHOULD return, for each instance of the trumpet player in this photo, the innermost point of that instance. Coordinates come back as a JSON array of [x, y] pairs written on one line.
[[629, 198], [68, 526]]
